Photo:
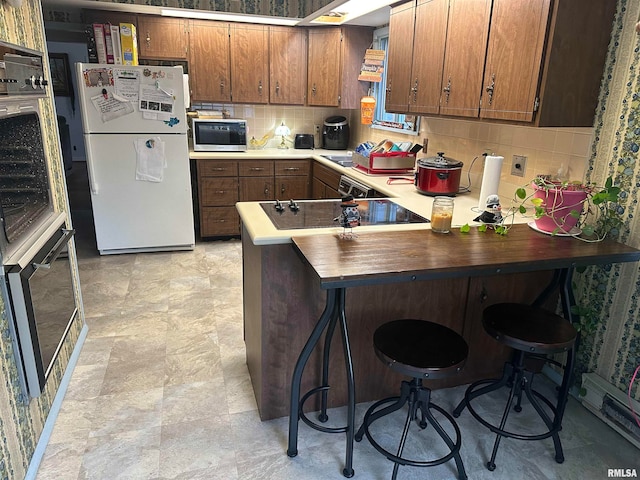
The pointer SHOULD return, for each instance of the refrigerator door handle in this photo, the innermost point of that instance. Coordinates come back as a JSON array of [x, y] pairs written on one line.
[[93, 185]]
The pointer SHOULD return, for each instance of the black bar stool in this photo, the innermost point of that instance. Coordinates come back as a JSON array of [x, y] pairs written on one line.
[[532, 332], [422, 350]]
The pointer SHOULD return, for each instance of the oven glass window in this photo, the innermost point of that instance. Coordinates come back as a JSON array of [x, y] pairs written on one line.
[[24, 185], [54, 306]]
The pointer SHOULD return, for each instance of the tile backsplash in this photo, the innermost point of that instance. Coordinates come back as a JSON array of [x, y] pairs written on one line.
[[555, 151], [263, 119], [563, 151]]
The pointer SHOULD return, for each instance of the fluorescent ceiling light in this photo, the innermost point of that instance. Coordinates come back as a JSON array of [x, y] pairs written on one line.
[[341, 11], [228, 17]]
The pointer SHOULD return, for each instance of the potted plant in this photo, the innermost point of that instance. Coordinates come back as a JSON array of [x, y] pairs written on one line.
[[585, 211]]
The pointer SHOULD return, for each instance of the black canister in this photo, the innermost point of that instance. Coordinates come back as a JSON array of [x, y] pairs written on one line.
[[335, 134]]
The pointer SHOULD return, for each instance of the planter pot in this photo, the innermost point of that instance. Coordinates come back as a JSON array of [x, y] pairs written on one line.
[[558, 205]]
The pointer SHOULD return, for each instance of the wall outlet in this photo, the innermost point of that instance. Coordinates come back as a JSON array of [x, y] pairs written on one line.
[[316, 129], [518, 165]]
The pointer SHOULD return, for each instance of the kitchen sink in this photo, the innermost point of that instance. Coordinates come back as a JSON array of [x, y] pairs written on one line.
[[342, 160]]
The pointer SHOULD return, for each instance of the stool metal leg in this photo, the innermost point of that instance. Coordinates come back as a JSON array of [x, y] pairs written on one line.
[[333, 312], [545, 418], [418, 399], [411, 411], [491, 465], [351, 389], [493, 385], [322, 416], [294, 406], [462, 475]]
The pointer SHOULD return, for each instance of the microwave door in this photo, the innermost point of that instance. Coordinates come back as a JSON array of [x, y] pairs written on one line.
[[222, 135]]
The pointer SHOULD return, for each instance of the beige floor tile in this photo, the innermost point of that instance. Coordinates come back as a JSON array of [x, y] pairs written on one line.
[[134, 375], [200, 444], [122, 412], [188, 402], [62, 461], [127, 455]]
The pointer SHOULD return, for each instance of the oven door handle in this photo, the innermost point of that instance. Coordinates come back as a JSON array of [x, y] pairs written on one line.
[[56, 250]]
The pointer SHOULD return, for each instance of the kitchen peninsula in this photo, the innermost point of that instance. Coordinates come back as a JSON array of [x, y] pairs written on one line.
[[407, 271]]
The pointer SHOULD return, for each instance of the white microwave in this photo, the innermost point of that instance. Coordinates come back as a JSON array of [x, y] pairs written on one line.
[[219, 135]]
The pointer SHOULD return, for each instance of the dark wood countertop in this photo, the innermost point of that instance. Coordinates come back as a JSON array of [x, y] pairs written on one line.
[[390, 257]]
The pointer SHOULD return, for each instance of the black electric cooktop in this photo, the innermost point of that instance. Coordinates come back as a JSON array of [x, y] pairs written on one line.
[[322, 214]]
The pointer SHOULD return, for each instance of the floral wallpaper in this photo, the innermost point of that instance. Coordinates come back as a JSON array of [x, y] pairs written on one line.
[[22, 424], [276, 8], [613, 352]]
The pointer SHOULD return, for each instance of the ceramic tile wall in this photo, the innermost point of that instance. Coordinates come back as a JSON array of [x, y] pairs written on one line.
[[263, 119], [563, 151], [548, 150]]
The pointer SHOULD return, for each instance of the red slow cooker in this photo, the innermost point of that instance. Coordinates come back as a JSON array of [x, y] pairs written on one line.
[[438, 175]]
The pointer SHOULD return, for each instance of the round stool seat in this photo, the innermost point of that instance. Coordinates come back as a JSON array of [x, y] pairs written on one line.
[[419, 348], [527, 328]]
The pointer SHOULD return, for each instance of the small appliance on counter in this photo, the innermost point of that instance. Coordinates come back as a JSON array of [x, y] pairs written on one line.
[[219, 134], [304, 141], [335, 134], [438, 175]]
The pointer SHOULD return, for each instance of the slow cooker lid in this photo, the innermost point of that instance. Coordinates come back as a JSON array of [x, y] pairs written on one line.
[[439, 161], [335, 121]]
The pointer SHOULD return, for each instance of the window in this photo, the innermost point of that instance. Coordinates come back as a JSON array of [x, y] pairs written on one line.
[[397, 122]]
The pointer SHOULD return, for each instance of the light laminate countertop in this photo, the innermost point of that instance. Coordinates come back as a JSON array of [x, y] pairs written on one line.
[[262, 231]]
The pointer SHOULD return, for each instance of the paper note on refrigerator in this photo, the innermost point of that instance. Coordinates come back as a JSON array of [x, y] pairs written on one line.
[[111, 108], [127, 83], [150, 159], [156, 100]]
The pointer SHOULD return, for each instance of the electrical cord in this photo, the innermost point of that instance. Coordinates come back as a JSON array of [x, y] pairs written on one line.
[[467, 189]]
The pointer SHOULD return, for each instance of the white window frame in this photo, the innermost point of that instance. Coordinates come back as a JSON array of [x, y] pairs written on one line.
[[379, 93]]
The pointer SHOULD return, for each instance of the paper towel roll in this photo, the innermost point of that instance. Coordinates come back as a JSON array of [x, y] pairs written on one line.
[[490, 179]]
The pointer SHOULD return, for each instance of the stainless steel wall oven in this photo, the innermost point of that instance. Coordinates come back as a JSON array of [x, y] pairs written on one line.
[[37, 279]]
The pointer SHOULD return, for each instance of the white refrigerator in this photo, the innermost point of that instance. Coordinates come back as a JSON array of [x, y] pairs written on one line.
[[135, 134]]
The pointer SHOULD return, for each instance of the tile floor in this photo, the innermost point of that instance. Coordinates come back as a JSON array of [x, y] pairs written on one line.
[[161, 391]]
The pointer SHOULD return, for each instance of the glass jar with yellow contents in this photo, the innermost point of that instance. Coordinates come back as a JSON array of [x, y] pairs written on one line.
[[442, 214]]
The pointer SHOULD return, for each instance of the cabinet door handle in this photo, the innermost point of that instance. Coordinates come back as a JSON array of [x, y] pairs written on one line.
[[491, 87], [266, 190], [484, 295], [291, 169], [221, 86], [415, 91], [148, 40], [277, 88], [447, 90], [219, 169], [221, 192], [260, 87], [256, 169], [388, 86], [313, 90], [282, 188]]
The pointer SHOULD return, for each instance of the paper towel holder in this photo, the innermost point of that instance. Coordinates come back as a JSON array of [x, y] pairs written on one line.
[[490, 179]]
